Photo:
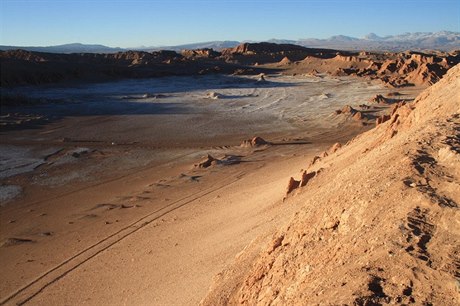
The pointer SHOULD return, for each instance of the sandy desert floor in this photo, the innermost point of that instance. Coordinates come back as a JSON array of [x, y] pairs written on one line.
[[100, 199]]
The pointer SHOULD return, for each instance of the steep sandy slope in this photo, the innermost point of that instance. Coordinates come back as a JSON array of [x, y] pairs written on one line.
[[380, 223]]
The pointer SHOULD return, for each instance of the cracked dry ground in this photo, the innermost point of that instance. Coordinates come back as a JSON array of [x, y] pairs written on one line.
[[379, 225]]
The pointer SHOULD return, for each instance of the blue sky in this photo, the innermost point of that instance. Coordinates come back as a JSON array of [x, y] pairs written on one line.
[[134, 23]]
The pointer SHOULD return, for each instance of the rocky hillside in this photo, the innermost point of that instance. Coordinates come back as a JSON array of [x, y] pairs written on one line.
[[379, 223]]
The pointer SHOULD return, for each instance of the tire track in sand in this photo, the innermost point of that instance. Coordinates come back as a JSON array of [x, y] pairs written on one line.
[[39, 284]]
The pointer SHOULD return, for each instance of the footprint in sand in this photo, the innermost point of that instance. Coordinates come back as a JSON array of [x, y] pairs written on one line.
[[15, 241], [46, 234], [191, 178], [140, 198], [126, 206], [134, 198], [89, 216], [104, 206]]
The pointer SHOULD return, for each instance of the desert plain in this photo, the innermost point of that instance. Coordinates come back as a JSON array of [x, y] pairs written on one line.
[[154, 190]]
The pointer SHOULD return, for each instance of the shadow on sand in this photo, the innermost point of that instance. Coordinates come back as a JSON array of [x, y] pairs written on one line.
[[126, 97]]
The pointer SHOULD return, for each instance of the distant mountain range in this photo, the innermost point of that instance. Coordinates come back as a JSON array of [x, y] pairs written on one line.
[[68, 48], [216, 45], [444, 40]]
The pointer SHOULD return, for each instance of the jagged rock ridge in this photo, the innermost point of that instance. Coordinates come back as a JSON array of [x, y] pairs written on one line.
[[395, 69]]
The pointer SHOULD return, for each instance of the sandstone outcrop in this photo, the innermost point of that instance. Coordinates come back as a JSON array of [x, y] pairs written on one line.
[[394, 69], [347, 110], [226, 160], [306, 177], [285, 61], [292, 185], [379, 99], [254, 142], [207, 162]]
